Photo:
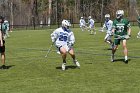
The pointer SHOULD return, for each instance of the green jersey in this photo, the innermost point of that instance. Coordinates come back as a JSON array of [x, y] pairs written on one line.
[[121, 26]]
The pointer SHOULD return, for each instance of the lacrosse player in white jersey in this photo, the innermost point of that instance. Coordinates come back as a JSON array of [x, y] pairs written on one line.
[[7, 29], [82, 24], [64, 39], [108, 25], [91, 27]]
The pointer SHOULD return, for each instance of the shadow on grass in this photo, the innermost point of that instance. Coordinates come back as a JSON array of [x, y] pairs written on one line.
[[6, 67], [68, 67], [107, 49], [122, 60]]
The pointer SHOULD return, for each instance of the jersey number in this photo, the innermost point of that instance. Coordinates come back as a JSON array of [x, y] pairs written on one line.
[[62, 38], [120, 28]]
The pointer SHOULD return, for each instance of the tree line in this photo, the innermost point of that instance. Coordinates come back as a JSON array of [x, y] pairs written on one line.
[[29, 12]]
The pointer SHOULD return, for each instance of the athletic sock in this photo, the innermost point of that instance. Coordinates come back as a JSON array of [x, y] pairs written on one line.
[[126, 58], [64, 61]]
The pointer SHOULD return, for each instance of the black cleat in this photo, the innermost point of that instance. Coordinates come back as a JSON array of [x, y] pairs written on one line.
[[126, 61], [3, 67]]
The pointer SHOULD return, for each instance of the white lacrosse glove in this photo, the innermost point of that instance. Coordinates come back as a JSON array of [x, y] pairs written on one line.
[[53, 38], [70, 44], [127, 37]]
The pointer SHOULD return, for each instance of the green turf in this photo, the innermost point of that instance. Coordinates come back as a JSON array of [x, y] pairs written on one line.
[[30, 72]]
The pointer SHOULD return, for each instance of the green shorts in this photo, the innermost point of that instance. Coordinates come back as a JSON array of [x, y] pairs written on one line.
[[2, 48], [117, 41]]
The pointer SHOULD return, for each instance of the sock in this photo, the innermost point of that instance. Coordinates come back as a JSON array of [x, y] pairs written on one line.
[[64, 61], [126, 58]]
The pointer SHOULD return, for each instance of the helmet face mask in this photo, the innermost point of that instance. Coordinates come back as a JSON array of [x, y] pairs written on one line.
[[89, 17], [107, 17], [66, 24], [119, 14]]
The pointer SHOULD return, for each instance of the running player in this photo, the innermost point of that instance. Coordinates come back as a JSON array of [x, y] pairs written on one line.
[[91, 27], [121, 28], [108, 25], [82, 24]]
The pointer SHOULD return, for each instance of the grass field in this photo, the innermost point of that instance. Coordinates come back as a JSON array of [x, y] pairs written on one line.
[[30, 72]]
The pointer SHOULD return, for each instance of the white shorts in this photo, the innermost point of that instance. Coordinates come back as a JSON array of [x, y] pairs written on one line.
[[82, 25], [107, 37], [68, 48], [91, 26]]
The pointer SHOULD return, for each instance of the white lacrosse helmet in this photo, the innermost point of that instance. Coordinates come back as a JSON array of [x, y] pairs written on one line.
[[81, 17], [107, 16], [119, 14], [5, 21], [89, 17], [66, 23]]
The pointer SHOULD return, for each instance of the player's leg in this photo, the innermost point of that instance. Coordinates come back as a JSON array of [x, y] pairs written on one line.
[[7, 33], [89, 28], [81, 28], [85, 27], [3, 60], [116, 43], [2, 50], [71, 52], [138, 35], [64, 55], [108, 40], [125, 51], [94, 30]]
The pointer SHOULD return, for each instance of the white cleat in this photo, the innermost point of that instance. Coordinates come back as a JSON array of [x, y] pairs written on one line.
[[77, 63], [63, 66]]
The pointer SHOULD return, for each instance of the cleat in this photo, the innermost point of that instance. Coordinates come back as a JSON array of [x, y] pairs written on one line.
[[112, 58], [77, 63], [63, 66], [126, 61], [3, 67]]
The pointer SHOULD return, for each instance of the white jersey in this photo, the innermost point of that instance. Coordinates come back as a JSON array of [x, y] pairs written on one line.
[[82, 22], [62, 37], [108, 26], [91, 23]]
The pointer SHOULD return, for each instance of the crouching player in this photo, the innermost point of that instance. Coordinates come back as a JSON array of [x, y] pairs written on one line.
[[121, 29], [64, 39], [108, 25]]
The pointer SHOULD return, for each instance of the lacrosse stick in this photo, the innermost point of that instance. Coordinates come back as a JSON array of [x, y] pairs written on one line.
[[101, 29], [121, 37], [136, 11], [49, 50]]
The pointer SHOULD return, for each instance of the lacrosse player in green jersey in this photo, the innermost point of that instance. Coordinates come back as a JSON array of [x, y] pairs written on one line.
[[122, 31]]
